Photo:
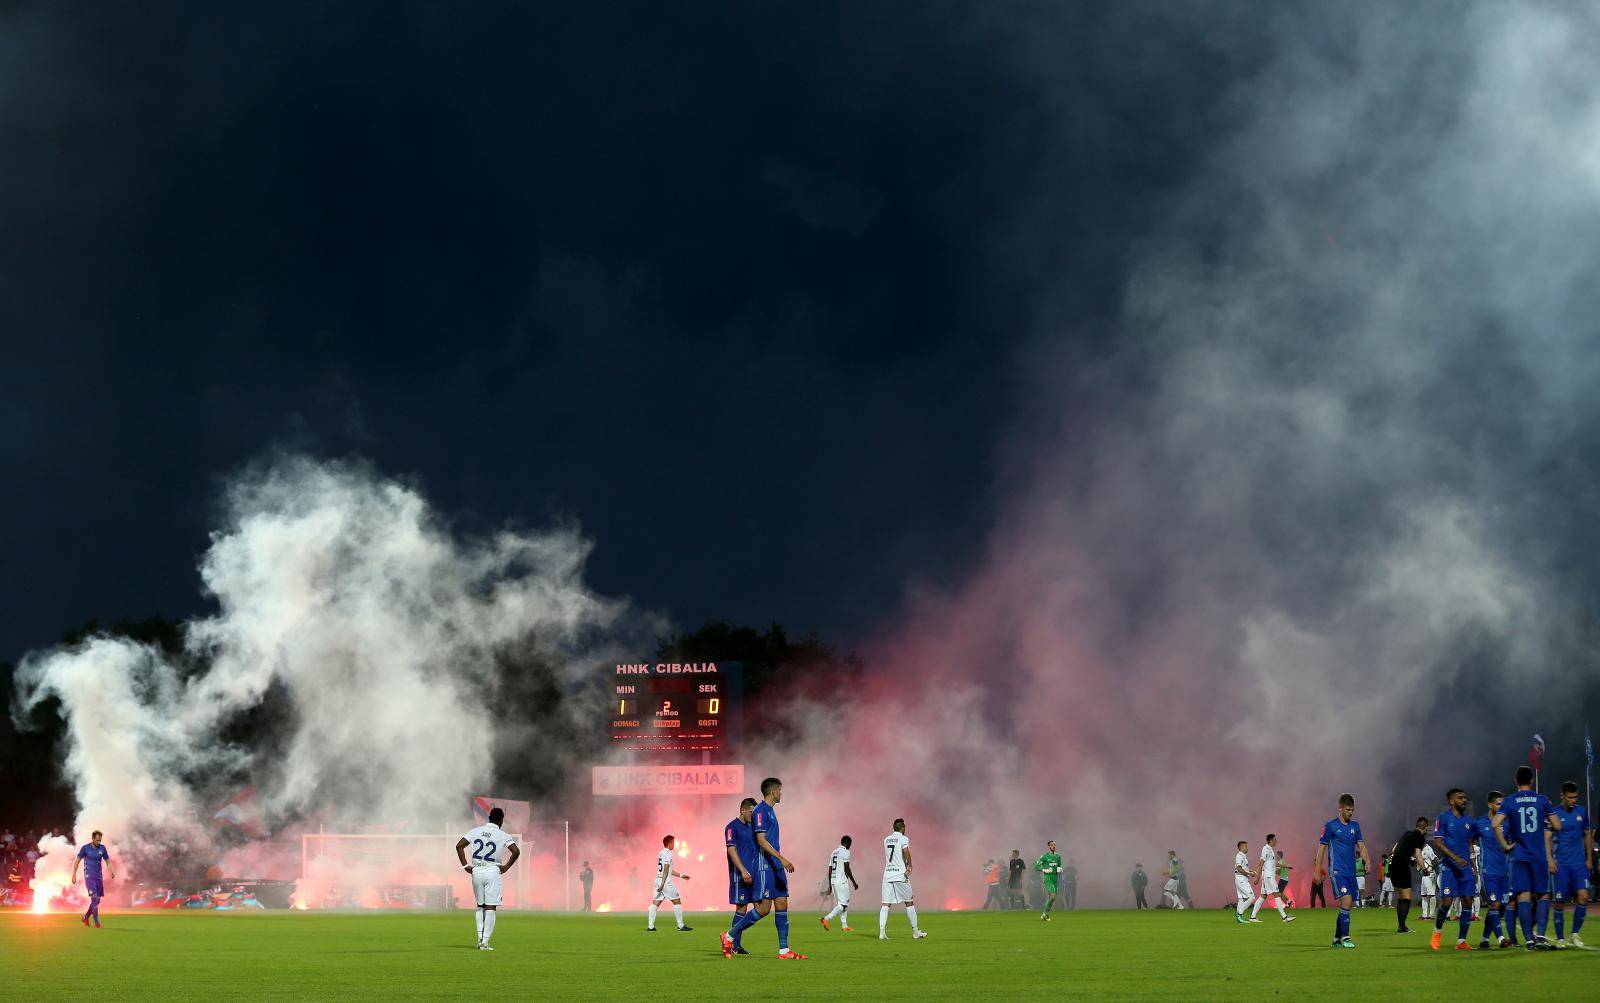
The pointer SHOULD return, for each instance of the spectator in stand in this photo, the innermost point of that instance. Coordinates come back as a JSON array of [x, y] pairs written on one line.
[[8, 841], [991, 881], [1141, 881], [1014, 883]]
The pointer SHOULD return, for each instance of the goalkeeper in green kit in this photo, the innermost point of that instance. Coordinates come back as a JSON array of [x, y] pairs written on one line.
[[1049, 868]]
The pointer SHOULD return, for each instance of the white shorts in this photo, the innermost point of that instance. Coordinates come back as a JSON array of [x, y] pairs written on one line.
[[1427, 885], [1269, 889], [1171, 886], [487, 882], [1361, 882], [1241, 888], [896, 892], [667, 892], [841, 893]]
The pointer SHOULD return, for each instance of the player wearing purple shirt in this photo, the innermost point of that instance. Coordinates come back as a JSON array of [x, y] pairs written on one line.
[[740, 839], [1495, 880], [1574, 846], [91, 855], [1452, 840], [1530, 824], [1340, 844], [771, 892]]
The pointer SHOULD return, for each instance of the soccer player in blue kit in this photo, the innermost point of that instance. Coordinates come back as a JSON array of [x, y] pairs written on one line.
[[1574, 848], [742, 866], [771, 893], [90, 855], [1340, 844], [1527, 815], [1496, 876], [1452, 840]]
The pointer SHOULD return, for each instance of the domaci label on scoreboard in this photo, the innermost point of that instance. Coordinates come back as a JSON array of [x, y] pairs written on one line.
[[668, 780]]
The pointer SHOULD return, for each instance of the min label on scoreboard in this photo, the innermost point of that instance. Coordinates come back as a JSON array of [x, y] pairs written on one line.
[[677, 706]]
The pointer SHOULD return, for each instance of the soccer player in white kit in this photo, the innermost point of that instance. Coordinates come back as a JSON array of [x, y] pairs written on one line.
[[1430, 868], [1269, 880], [897, 880], [665, 889], [1241, 881], [486, 869], [841, 881]]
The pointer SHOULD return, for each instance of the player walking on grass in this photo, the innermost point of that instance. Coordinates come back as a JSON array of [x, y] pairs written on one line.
[[1405, 864], [1241, 881], [842, 882], [486, 869], [1049, 867], [665, 889], [1527, 834], [1494, 880], [1574, 846], [93, 853], [897, 881], [1452, 840], [771, 894], [1340, 846], [1270, 888], [740, 838]]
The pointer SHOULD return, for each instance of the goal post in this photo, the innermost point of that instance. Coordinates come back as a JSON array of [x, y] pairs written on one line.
[[421, 871]]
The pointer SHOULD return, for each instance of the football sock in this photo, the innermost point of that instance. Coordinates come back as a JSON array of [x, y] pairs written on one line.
[[1242, 906], [1561, 924], [1282, 909], [1049, 904], [1439, 917], [844, 916], [1464, 925], [1541, 919], [1490, 925], [488, 923], [911, 914], [1344, 923], [1525, 919], [1253, 909], [652, 920], [883, 919], [480, 924], [836, 910], [1402, 908], [1577, 917], [751, 917], [677, 913], [781, 917]]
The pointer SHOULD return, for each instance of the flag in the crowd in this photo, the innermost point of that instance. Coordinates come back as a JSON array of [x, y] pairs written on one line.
[[242, 812], [518, 813], [1536, 754]]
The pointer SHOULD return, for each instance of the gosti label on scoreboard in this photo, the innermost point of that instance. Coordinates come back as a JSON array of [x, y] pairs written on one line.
[[677, 706]]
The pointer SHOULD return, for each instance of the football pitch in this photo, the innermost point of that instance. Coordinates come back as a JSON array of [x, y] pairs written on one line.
[[1193, 954]]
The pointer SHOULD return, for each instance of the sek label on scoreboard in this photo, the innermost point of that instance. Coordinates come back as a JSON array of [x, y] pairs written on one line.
[[677, 706]]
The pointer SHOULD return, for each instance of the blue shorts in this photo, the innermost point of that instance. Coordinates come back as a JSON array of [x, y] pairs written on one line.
[[1570, 879], [1497, 888], [739, 892], [1343, 884], [95, 886], [1529, 877], [771, 883], [1455, 883]]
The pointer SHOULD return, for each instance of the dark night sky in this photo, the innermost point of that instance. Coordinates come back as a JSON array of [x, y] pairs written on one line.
[[741, 288]]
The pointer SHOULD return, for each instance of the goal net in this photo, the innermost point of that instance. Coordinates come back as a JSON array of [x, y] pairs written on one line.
[[420, 871]]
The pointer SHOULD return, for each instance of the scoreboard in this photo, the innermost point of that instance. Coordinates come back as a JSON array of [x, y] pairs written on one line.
[[677, 706]]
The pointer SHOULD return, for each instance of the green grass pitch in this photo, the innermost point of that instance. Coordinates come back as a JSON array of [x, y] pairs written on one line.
[[1110, 955]]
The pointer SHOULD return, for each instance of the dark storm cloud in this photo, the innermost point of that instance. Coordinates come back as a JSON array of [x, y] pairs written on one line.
[[734, 285]]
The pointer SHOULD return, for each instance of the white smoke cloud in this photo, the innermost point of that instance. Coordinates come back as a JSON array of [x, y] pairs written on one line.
[[378, 624]]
